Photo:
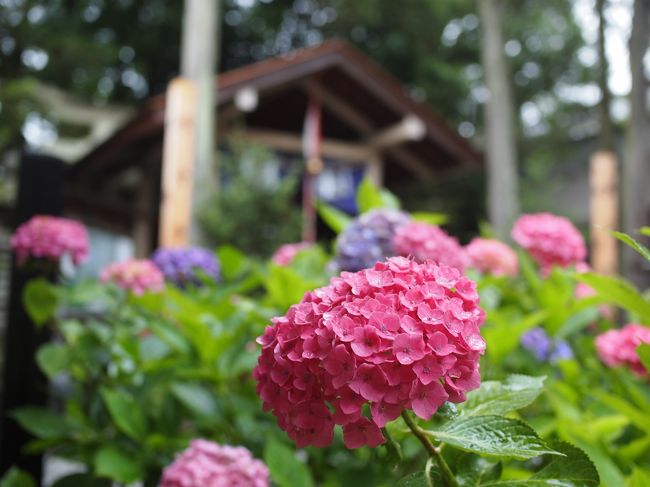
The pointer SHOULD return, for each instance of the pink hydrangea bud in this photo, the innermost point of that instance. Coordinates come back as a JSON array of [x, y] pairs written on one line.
[[137, 276], [50, 237], [618, 347], [208, 464], [285, 254], [492, 257], [550, 239], [423, 241], [400, 335]]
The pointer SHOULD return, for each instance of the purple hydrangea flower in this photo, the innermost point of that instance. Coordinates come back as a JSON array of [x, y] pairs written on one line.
[[544, 348], [184, 265], [368, 239], [561, 351], [537, 341]]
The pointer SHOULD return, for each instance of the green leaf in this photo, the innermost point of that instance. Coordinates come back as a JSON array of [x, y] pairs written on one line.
[[430, 218], [286, 470], [370, 197], [502, 335], [232, 261], [333, 218], [117, 465], [498, 398], [126, 413], [41, 300], [493, 436], [82, 480], [17, 478], [574, 469], [640, 248], [637, 417], [41, 422], [473, 470], [645, 231], [643, 351], [53, 358], [619, 292], [640, 478], [196, 398], [286, 287], [417, 479]]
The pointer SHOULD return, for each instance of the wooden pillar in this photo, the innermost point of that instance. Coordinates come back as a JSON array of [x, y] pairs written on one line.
[[375, 169], [178, 161], [604, 212], [40, 191]]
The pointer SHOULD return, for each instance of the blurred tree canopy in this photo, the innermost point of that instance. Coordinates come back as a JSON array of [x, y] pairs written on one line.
[[125, 50]]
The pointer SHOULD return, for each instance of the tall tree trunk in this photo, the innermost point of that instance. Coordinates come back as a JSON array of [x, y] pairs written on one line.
[[502, 194], [199, 51], [635, 168]]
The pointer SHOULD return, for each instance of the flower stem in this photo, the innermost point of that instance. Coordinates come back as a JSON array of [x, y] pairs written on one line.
[[434, 452]]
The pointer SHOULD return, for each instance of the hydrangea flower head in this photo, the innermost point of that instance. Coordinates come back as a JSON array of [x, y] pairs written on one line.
[[208, 464], [544, 348], [550, 239], [183, 265], [424, 241], [400, 335], [618, 347], [285, 254], [136, 275], [492, 257], [368, 239], [49, 238]]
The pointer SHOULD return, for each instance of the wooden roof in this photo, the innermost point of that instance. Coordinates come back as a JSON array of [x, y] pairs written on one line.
[[338, 67]]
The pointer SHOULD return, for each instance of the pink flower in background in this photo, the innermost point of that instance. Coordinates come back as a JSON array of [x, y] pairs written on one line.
[[618, 347], [137, 276], [285, 254], [423, 241], [379, 351], [208, 464], [551, 240], [492, 257], [50, 237]]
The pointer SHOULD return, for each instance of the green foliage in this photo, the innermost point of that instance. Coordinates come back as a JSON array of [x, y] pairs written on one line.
[[117, 465], [251, 212], [335, 219], [40, 299], [370, 197], [286, 470], [495, 397], [15, 477]]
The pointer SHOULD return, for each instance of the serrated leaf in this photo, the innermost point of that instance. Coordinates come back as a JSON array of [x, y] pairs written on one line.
[[53, 358], [286, 470], [473, 470], [619, 292], [14, 477], [333, 218], [493, 436], [643, 351], [498, 398], [126, 413], [574, 469], [113, 463], [196, 398], [41, 300], [42, 422], [640, 248]]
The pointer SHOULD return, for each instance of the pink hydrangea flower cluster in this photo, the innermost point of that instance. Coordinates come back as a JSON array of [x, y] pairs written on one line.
[[424, 241], [492, 257], [550, 239], [618, 347], [50, 237], [208, 464], [138, 276], [400, 335], [285, 254]]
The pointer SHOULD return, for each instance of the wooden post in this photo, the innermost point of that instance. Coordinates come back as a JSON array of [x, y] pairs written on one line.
[[604, 212], [40, 191], [178, 160]]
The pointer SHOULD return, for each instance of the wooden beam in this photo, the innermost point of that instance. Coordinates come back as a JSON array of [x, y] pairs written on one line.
[[290, 142], [410, 128], [361, 123]]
